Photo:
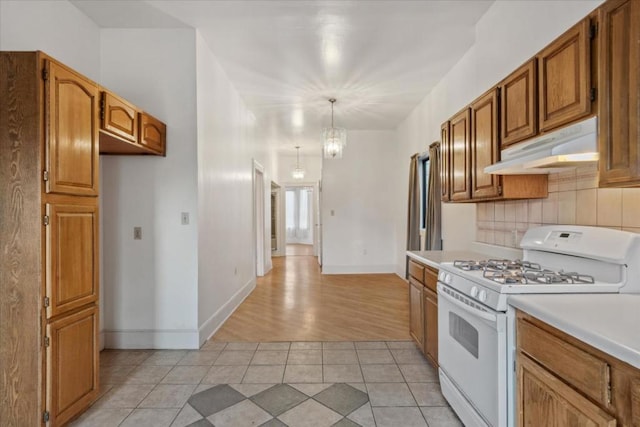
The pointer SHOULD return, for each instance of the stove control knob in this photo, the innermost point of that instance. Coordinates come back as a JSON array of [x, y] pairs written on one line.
[[474, 291], [441, 275], [482, 296], [447, 278]]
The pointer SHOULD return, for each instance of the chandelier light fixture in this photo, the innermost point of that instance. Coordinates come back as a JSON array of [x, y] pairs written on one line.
[[298, 172], [335, 139]]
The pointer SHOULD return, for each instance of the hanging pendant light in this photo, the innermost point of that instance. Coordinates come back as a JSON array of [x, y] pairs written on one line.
[[335, 139], [298, 172]]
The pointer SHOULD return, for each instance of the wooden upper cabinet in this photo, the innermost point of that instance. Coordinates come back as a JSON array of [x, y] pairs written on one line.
[[564, 77], [484, 145], [72, 365], [71, 108], [118, 117], [445, 175], [619, 109], [72, 255], [519, 105], [460, 155], [153, 133]]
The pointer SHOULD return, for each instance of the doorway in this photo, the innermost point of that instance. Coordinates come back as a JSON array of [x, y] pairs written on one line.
[[259, 219], [300, 210]]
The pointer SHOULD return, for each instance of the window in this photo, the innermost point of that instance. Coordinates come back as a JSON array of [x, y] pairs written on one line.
[[424, 189]]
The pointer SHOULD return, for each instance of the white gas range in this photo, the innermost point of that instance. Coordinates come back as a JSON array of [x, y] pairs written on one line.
[[475, 331]]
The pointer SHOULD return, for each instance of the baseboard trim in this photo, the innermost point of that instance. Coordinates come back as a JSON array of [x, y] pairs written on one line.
[[169, 339], [358, 269], [217, 319]]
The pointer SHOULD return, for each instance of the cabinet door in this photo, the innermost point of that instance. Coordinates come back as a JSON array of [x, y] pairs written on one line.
[[564, 78], [72, 366], [445, 176], [543, 399], [72, 256], [71, 104], [152, 133], [484, 146], [416, 322], [431, 326], [460, 155], [118, 117], [619, 109], [519, 105]]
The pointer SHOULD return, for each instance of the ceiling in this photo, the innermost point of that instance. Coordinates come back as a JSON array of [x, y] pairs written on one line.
[[287, 58]]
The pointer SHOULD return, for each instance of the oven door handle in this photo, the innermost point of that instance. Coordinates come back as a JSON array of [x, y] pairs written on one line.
[[467, 308]]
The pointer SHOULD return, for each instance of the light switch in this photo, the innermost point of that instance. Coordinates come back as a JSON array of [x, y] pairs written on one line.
[[137, 233], [184, 218]]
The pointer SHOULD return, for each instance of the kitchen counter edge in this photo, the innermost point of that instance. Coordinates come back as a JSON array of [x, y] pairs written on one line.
[[434, 258]]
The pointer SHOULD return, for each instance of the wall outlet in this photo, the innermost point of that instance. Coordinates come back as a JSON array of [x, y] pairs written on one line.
[[184, 218], [137, 233]]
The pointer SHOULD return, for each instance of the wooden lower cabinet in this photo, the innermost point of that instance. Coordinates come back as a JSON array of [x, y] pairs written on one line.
[[562, 381], [416, 323], [430, 304], [72, 364], [544, 400], [423, 309]]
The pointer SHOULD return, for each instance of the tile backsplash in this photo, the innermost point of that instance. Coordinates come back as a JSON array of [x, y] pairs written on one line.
[[574, 198]]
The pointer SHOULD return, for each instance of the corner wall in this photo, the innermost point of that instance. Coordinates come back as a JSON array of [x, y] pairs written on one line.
[[150, 285], [507, 35], [227, 142]]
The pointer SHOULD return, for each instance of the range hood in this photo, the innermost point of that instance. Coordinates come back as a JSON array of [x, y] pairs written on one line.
[[552, 152]]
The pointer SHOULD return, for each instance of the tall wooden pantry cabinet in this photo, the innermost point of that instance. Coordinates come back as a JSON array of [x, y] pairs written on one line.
[[49, 129]]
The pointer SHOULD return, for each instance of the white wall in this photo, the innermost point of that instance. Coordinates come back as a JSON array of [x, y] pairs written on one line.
[[359, 237], [506, 36], [150, 286], [55, 27], [227, 143]]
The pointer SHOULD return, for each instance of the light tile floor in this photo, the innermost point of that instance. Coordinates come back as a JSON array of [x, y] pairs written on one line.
[[271, 384]]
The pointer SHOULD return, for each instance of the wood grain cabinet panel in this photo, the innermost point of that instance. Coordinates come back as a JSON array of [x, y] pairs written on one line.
[[72, 256], [619, 105], [430, 305], [460, 155], [416, 270], [153, 133], [118, 117], [564, 78], [72, 357], [519, 105], [49, 229], [544, 400], [71, 103], [484, 146], [445, 168], [416, 313]]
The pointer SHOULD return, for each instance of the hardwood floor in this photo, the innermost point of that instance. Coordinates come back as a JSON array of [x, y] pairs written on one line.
[[294, 302], [296, 249]]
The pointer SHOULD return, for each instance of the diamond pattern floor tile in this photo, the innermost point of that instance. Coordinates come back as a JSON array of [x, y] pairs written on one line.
[[271, 384], [245, 413], [342, 398], [215, 399], [279, 399], [310, 414]]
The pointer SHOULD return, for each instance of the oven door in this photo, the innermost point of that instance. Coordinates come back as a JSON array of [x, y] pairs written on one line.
[[472, 355]]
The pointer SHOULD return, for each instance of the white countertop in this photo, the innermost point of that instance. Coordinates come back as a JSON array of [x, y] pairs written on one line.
[[434, 258], [608, 322]]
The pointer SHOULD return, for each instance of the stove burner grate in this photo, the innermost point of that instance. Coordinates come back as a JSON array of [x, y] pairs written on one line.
[[510, 272]]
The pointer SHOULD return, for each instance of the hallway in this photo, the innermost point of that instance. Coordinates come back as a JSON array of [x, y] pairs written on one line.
[[295, 302]]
